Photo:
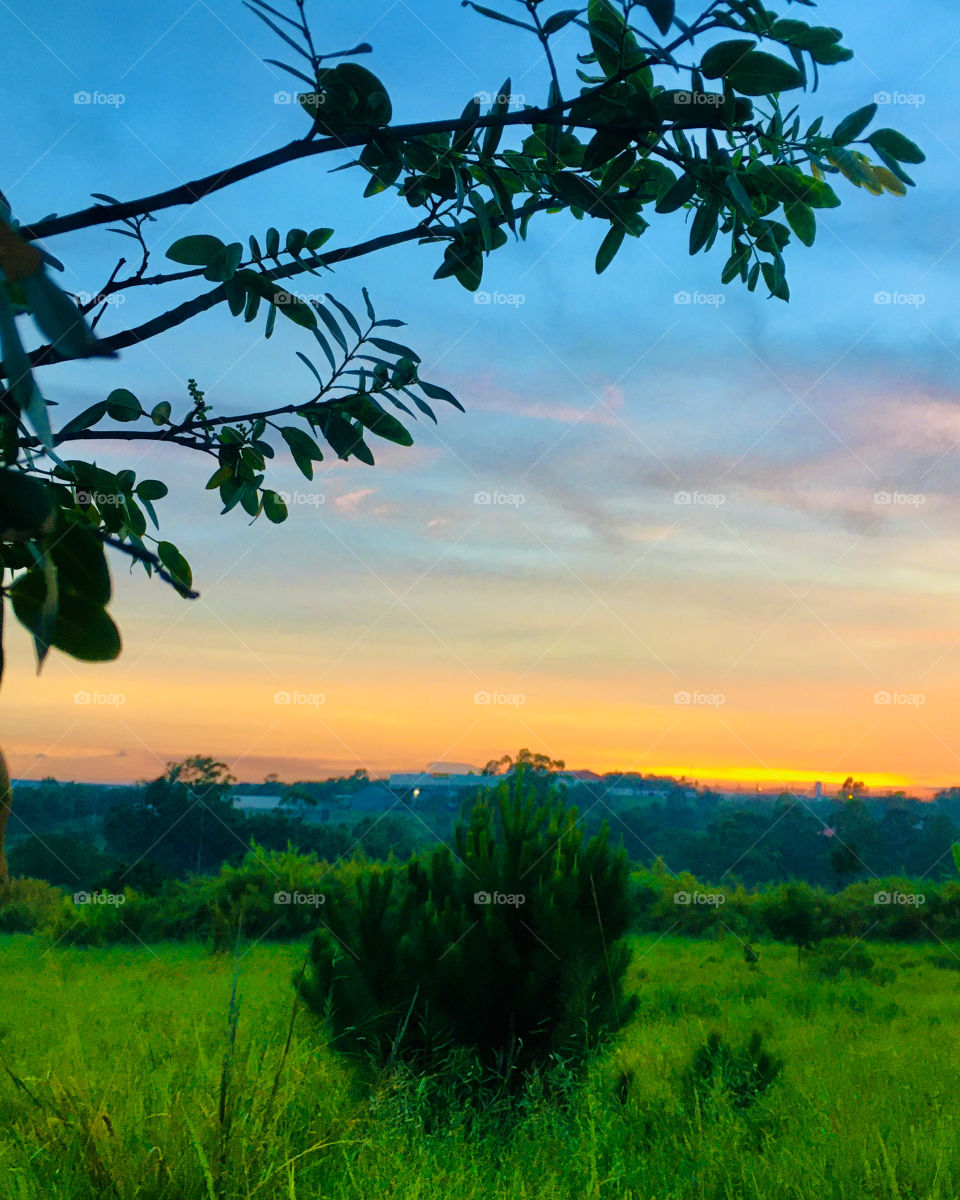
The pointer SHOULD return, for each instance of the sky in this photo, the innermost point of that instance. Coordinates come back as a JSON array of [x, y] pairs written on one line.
[[678, 528]]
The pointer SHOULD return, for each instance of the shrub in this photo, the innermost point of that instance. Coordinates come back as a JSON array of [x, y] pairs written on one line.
[[510, 946], [740, 1073], [29, 905]]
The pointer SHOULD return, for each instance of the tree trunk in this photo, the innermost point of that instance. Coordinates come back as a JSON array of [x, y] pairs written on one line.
[[6, 803]]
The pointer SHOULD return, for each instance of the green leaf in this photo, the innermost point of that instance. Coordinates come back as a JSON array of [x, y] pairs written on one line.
[[613, 44], [609, 247], [662, 12], [273, 242], [79, 626], [394, 348], [152, 489], [175, 563], [555, 23], [497, 16], [317, 237], [370, 414], [161, 413], [677, 196], [851, 127], [301, 444], [891, 142], [295, 241], [26, 510], [501, 103], [435, 392], [723, 57], [123, 405], [197, 250], [85, 420], [274, 508], [704, 226], [762, 74], [802, 221]]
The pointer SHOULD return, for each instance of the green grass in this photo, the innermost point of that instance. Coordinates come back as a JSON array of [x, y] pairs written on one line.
[[114, 1071]]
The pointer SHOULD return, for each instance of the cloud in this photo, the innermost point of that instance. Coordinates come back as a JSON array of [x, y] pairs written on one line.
[[350, 501]]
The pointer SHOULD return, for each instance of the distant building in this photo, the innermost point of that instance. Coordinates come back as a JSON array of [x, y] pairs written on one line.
[[257, 804]]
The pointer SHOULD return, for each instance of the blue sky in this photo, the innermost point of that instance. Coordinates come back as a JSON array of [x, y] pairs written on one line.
[[596, 400]]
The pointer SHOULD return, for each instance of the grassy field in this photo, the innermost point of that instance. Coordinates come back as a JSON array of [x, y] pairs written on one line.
[[121, 1078]]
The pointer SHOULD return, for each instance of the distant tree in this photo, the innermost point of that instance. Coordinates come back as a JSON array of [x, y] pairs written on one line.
[[380, 837], [536, 764], [184, 820], [63, 859]]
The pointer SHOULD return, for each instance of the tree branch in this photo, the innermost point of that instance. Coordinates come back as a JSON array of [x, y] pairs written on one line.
[[307, 147]]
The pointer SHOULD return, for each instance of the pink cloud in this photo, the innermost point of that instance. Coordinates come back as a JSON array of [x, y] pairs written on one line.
[[350, 501]]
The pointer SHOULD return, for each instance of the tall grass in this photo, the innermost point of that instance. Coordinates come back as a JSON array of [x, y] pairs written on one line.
[[165, 1073]]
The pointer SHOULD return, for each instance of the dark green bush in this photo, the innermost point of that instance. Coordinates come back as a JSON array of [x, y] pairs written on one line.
[[742, 1073], [510, 945]]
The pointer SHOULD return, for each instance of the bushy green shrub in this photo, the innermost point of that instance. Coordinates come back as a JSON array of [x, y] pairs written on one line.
[[29, 905], [511, 944], [741, 1073]]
